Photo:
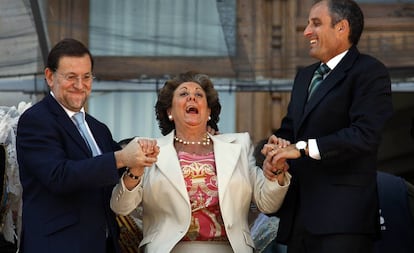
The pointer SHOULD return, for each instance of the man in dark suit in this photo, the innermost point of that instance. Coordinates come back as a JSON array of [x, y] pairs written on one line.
[[67, 178], [332, 203]]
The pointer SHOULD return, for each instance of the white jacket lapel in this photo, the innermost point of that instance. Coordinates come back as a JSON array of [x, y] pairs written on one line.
[[169, 165], [227, 155]]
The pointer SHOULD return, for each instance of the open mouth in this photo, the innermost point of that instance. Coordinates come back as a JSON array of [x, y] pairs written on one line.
[[191, 109], [313, 42]]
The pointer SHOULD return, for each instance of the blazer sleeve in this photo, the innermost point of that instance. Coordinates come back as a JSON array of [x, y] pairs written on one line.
[[267, 195], [124, 201]]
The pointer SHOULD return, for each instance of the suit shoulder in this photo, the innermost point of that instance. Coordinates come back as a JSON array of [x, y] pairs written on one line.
[[94, 120], [368, 60], [236, 137], [369, 67], [39, 109]]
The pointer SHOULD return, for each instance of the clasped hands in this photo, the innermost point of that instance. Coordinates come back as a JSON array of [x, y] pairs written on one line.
[[277, 151], [140, 153]]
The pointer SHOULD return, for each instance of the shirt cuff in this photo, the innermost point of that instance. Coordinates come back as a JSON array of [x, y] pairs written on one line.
[[313, 149], [136, 188]]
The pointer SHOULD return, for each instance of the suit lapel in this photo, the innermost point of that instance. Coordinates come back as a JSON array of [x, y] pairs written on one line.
[[96, 133], [66, 123], [170, 166], [333, 79], [301, 95], [226, 155]]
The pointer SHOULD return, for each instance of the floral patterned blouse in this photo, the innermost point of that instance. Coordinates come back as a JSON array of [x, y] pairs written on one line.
[[200, 176]]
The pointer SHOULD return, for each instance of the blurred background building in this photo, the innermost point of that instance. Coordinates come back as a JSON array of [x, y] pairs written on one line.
[[251, 49]]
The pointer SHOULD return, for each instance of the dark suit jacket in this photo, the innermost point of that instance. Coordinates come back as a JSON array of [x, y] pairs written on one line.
[[397, 223], [66, 191], [338, 193]]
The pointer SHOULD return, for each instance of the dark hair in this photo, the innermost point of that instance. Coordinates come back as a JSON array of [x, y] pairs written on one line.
[[66, 47], [350, 11], [125, 142], [165, 96], [257, 153]]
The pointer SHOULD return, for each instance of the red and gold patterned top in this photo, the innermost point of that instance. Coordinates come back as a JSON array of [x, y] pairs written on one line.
[[200, 176]]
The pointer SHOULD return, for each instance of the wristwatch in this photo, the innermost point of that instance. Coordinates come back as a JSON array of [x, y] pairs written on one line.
[[301, 146]]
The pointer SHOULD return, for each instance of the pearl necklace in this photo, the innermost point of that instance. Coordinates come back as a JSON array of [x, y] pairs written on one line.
[[204, 142]]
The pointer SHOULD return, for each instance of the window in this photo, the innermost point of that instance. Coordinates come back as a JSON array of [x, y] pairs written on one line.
[[162, 28]]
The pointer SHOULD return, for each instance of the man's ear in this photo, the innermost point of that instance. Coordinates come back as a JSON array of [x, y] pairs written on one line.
[[49, 77], [342, 26]]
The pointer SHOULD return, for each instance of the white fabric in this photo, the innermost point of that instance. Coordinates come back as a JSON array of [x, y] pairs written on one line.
[[264, 231], [9, 117]]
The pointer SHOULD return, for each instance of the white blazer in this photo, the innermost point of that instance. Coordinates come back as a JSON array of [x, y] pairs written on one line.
[[166, 206]]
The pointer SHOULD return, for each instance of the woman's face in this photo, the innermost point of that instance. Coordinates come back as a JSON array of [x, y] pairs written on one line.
[[189, 106]]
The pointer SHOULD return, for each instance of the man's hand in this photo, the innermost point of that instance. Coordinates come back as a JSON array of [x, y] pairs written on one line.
[[274, 143], [282, 154], [138, 153]]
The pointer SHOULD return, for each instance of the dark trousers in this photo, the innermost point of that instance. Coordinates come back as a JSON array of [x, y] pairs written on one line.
[[304, 242], [110, 246]]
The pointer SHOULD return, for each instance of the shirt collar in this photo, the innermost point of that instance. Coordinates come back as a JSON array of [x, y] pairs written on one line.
[[334, 61]]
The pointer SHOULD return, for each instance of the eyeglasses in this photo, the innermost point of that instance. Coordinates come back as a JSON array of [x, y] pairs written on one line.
[[70, 77]]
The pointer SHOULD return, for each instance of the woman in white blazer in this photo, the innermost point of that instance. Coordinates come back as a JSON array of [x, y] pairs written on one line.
[[196, 197]]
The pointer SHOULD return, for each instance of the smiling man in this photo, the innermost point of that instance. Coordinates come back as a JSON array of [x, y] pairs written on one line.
[[335, 117], [68, 168]]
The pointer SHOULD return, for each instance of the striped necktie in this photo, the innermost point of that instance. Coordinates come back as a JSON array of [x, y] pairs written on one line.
[[80, 124], [317, 78]]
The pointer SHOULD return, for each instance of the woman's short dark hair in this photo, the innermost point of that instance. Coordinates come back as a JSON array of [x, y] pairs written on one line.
[[66, 47], [165, 97]]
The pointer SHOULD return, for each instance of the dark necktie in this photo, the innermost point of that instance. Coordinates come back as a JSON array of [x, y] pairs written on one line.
[[317, 78], [80, 124]]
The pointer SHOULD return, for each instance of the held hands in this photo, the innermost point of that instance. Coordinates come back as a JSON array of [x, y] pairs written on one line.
[[149, 151], [275, 171], [138, 153], [275, 164], [275, 142], [142, 153]]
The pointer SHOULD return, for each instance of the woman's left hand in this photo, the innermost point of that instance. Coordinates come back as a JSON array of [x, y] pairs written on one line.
[[275, 170]]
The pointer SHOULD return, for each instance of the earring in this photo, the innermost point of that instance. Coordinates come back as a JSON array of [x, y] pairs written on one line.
[[209, 118], [170, 117]]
